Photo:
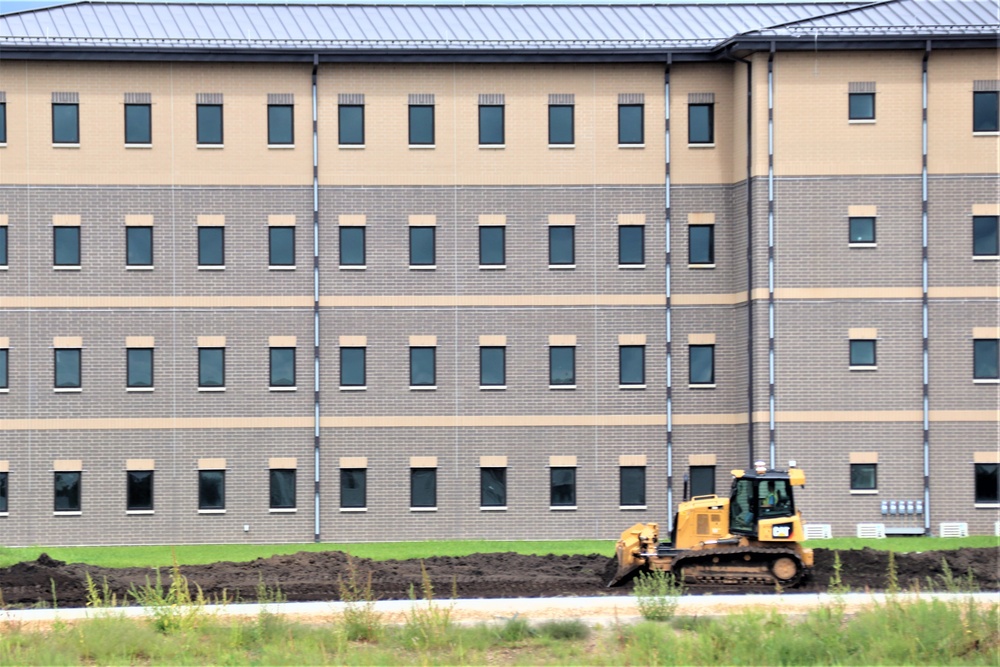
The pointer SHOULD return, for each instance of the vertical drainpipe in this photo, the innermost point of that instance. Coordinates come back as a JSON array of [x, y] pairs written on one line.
[[770, 251], [670, 398], [315, 142], [749, 194], [923, 301]]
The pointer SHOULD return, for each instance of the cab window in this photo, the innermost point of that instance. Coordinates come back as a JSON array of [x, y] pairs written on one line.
[[741, 503], [775, 498]]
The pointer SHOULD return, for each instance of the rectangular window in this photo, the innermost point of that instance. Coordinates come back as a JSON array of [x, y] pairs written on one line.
[[67, 366], [139, 367], [4, 369], [630, 124], [560, 124], [3, 122], [985, 242], [701, 244], [211, 246], [563, 487], [864, 476], [421, 125], [701, 123], [65, 123], [282, 489], [138, 124], [3, 245], [67, 491], [702, 481], [561, 245], [352, 367], [139, 490], [66, 246], [353, 488], [491, 130], [632, 486], [702, 364], [861, 106], [209, 124], [492, 246], [138, 246], [211, 367], [422, 246], [282, 366], [280, 125], [861, 230], [352, 124], [987, 483], [281, 246], [862, 353], [423, 487], [985, 111], [985, 359], [492, 366], [352, 246], [562, 365], [422, 370], [631, 245], [211, 489], [492, 487], [4, 493], [632, 364]]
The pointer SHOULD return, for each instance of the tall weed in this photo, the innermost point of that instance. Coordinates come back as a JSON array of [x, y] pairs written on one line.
[[173, 609], [361, 622], [658, 593], [428, 625]]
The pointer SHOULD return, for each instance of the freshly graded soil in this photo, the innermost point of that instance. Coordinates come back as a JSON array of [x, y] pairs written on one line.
[[309, 576]]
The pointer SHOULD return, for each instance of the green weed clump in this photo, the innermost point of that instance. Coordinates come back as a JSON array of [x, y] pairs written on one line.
[[173, 609], [515, 630], [361, 623], [103, 597], [837, 585], [658, 593], [428, 625], [566, 630], [947, 581]]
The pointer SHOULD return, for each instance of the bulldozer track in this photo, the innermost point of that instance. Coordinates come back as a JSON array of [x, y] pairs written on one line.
[[741, 566]]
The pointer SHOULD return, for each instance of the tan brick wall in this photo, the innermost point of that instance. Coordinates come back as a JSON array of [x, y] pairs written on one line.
[[952, 148]]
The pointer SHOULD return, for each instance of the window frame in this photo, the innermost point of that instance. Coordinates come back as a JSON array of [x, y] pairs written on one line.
[[433, 352], [621, 365], [198, 125], [201, 374], [362, 474], [976, 129], [4, 492], [433, 241], [271, 488], [502, 230], [571, 230], [503, 123], [4, 246], [710, 348], [572, 124], [430, 473], [976, 485], [203, 506], [128, 367], [61, 231], [128, 245], [129, 506], [78, 508], [850, 108], [291, 125], [340, 248], [711, 245], [5, 368], [148, 124], [502, 349], [75, 141], [410, 125], [861, 219], [364, 368], [707, 470], [632, 486], [642, 125], [572, 484], [978, 221], [623, 230], [270, 367], [984, 344], [710, 140], [3, 123], [483, 486], [56, 365], [290, 264], [553, 383], [855, 477], [341, 108], [854, 356], [202, 242]]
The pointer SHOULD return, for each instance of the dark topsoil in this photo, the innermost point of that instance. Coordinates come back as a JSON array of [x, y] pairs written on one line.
[[314, 576]]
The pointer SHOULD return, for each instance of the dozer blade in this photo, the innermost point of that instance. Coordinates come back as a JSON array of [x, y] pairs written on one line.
[[628, 549], [626, 573]]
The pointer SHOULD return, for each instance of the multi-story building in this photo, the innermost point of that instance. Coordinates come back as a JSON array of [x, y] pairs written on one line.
[[284, 273]]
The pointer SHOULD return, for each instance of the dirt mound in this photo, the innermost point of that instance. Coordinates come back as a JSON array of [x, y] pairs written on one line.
[[309, 576]]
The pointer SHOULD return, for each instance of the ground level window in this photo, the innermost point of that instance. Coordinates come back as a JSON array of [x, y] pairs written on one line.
[[282, 488], [987, 483], [67, 491], [864, 477], [353, 488], [563, 487], [211, 489], [3, 491], [139, 490], [632, 486], [423, 487], [493, 487], [702, 481]]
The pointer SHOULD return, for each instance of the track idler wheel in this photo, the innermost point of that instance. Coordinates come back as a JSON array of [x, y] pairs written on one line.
[[786, 569]]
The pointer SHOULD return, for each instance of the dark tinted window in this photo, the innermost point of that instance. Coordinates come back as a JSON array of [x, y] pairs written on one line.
[[211, 489], [139, 363], [282, 489], [861, 106], [138, 124], [563, 487], [139, 490], [561, 249], [985, 361], [211, 367], [352, 124], [702, 481], [863, 477], [562, 365], [491, 124], [422, 371], [701, 123], [701, 244], [632, 364], [493, 487], [421, 125], [66, 241], [985, 112], [423, 487], [3, 246], [209, 123], [632, 486], [282, 366], [4, 492], [4, 369], [281, 246], [352, 367], [352, 246], [211, 246], [560, 124], [67, 491], [702, 360], [984, 236], [862, 230], [492, 246], [279, 124], [630, 124], [862, 353], [65, 124], [3, 122], [353, 485], [422, 246], [631, 244], [139, 246], [492, 366], [68, 373], [987, 483]]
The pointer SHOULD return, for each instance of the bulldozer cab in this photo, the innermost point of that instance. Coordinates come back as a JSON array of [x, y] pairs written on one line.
[[755, 496]]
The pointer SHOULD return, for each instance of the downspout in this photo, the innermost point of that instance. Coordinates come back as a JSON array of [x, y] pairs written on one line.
[[670, 398], [923, 300], [770, 252], [316, 431]]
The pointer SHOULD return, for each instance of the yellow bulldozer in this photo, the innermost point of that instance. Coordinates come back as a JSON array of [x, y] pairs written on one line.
[[752, 537]]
